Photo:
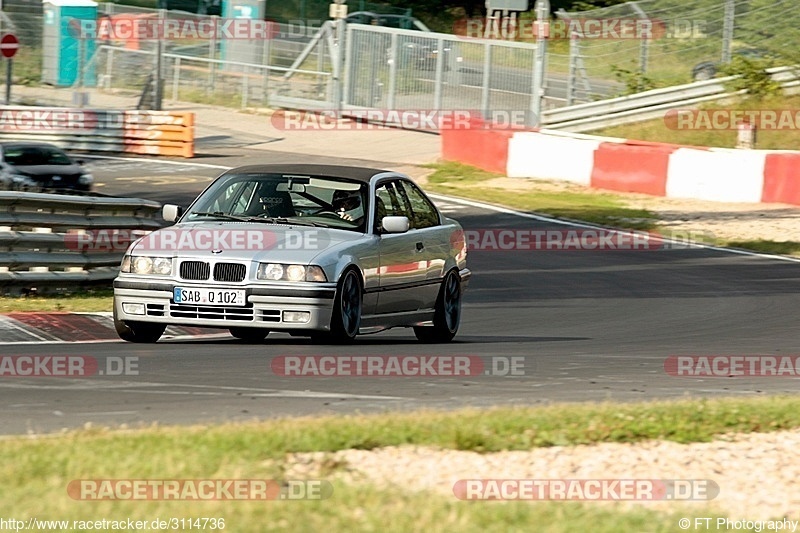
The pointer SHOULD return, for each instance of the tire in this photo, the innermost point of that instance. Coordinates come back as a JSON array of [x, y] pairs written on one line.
[[139, 332], [347, 307], [704, 74], [447, 314], [252, 335]]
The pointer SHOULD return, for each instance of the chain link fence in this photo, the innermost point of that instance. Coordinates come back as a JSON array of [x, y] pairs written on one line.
[[690, 41], [404, 69], [25, 20]]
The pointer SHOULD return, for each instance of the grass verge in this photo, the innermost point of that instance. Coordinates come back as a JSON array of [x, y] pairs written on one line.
[[457, 179], [607, 209], [38, 470], [98, 300], [657, 130]]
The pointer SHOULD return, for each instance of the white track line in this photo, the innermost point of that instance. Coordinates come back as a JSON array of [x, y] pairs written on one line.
[[508, 211], [542, 218], [158, 161]]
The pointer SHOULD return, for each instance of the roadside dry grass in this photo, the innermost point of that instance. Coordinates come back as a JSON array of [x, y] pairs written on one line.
[[38, 469], [89, 302], [658, 131]]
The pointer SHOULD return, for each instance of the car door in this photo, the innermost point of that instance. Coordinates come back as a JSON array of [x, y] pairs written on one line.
[[426, 225], [403, 267]]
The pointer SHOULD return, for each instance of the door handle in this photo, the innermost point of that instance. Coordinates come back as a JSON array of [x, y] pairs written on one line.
[[420, 246]]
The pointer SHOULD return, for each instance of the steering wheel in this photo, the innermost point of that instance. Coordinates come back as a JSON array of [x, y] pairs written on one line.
[[325, 212]]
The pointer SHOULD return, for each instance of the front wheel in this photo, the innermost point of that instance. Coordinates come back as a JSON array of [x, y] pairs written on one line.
[[253, 335], [346, 319], [447, 314], [139, 332]]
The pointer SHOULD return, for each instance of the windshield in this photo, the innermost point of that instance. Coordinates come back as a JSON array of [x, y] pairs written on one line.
[[284, 199], [35, 155]]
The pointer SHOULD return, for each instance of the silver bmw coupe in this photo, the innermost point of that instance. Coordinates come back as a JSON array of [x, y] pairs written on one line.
[[329, 252]]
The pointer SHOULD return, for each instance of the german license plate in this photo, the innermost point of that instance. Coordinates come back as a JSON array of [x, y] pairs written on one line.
[[208, 296]]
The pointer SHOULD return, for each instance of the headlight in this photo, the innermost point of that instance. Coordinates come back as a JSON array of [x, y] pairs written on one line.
[[22, 181], [279, 272], [86, 179], [142, 264]]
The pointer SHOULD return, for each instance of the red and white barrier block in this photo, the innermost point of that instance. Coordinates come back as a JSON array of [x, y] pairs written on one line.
[[660, 169]]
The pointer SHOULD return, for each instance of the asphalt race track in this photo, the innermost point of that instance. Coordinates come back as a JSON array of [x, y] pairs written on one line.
[[588, 325]]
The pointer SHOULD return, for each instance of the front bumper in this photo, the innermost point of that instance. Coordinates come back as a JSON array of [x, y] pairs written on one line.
[[265, 305]]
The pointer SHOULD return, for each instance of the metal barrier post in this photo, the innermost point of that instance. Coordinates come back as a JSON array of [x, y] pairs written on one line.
[[392, 72], [109, 67], [212, 54], [487, 78], [339, 65], [542, 17], [176, 77], [727, 30], [574, 52], [437, 88], [245, 86]]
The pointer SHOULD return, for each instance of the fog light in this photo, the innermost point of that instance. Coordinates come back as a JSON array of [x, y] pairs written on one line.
[[298, 317], [133, 309]]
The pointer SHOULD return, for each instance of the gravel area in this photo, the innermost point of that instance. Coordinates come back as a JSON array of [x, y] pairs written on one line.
[[758, 473]]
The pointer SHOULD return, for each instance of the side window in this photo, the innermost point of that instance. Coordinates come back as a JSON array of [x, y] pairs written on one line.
[[388, 202], [424, 214]]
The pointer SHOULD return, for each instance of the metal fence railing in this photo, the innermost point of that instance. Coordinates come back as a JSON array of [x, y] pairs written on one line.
[[230, 83], [652, 104], [404, 69], [43, 244]]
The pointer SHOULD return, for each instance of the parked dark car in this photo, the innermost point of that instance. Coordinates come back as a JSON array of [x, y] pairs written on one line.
[[33, 166], [709, 69]]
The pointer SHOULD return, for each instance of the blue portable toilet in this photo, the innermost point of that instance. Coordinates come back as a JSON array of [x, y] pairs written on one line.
[[68, 43]]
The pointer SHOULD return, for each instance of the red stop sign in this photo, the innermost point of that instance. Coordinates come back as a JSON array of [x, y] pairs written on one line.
[[9, 44]]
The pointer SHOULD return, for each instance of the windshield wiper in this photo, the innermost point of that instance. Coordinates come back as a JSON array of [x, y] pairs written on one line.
[[293, 222], [220, 214], [266, 220]]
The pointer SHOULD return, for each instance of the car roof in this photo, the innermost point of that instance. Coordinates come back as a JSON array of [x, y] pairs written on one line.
[[31, 144], [363, 174]]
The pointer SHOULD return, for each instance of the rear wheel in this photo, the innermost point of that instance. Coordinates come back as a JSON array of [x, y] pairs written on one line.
[[139, 332], [705, 74], [447, 315], [253, 335], [346, 319]]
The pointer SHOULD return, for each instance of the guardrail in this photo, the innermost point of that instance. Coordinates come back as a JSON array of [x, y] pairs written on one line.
[[101, 130], [54, 242], [650, 104]]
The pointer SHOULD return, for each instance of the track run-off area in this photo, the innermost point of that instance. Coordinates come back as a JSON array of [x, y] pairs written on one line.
[[574, 325]]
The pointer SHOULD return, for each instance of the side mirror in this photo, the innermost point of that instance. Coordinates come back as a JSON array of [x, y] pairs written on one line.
[[171, 213], [395, 224]]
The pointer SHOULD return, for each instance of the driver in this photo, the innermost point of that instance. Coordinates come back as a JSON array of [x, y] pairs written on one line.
[[347, 204]]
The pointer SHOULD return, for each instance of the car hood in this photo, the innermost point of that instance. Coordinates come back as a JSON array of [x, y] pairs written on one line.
[[47, 171], [243, 241]]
